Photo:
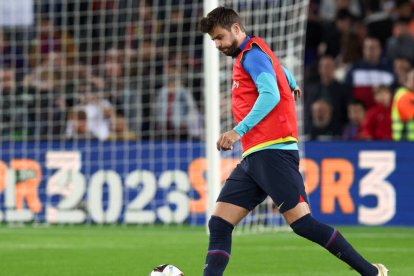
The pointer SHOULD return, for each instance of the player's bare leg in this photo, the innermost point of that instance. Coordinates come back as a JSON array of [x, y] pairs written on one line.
[[300, 210], [303, 224], [221, 225], [230, 212]]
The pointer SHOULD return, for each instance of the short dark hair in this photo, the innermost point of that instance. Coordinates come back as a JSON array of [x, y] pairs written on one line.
[[357, 102], [76, 113], [222, 17], [405, 20], [344, 14], [382, 87]]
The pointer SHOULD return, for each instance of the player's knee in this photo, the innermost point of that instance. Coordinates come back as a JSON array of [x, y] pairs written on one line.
[[218, 226], [303, 225]]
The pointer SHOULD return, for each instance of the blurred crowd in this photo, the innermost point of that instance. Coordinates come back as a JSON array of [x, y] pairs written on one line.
[[126, 70], [105, 70], [359, 76]]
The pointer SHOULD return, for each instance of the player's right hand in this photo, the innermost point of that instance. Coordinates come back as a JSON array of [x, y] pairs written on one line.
[[227, 139]]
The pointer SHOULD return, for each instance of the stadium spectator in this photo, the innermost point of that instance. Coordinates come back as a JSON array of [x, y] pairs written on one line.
[[49, 38], [314, 26], [99, 114], [175, 111], [46, 102], [145, 26], [351, 48], [13, 107], [69, 78], [178, 29], [404, 8], [377, 122], [179, 33], [87, 75], [56, 74], [53, 65], [338, 33], [329, 8], [335, 93], [150, 64], [120, 82], [77, 124], [79, 127], [105, 13], [46, 113], [113, 70], [11, 54], [401, 67], [340, 39], [378, 21], [356, 115], [369, 72], [120, 130], [149, 76], [401, 43], [323, 127], [403, 111]]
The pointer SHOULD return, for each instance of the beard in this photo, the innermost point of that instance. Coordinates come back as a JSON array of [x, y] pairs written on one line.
[[231, 50]]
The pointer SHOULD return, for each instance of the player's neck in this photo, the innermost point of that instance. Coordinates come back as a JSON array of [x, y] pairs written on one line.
[[241, 39]]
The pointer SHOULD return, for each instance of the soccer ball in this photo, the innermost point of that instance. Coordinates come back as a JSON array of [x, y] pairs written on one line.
[[166, 270]]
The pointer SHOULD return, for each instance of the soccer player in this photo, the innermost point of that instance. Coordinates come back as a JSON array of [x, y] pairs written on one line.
[[264, 110]]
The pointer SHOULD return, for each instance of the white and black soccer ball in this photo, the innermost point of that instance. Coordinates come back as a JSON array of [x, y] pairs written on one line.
[[166, 270]]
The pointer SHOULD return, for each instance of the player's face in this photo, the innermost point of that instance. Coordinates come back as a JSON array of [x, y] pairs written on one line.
[[225, 40]]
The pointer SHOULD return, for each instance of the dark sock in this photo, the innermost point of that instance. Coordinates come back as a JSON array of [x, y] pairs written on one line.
[[219, 248], [334, 242]]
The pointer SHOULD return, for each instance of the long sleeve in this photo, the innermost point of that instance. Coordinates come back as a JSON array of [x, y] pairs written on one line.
[[259, 67]]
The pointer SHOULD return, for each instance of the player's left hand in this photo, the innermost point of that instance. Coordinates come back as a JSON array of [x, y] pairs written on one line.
[[297, 92], [227, 139]]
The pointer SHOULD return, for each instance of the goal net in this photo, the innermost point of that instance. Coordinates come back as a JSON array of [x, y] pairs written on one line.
[[102, 107]]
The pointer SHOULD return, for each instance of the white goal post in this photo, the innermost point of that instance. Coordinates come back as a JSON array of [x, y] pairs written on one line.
[[212, 111]]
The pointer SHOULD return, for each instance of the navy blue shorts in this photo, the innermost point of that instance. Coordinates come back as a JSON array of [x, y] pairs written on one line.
[[266, 172]]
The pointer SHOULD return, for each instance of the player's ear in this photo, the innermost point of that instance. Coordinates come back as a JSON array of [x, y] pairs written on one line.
[[236, 28]]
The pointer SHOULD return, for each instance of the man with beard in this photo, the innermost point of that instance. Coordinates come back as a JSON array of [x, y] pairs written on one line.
[[264, 110]]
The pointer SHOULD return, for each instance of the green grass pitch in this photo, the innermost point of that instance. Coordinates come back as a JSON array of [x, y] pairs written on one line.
[[135, 250]]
